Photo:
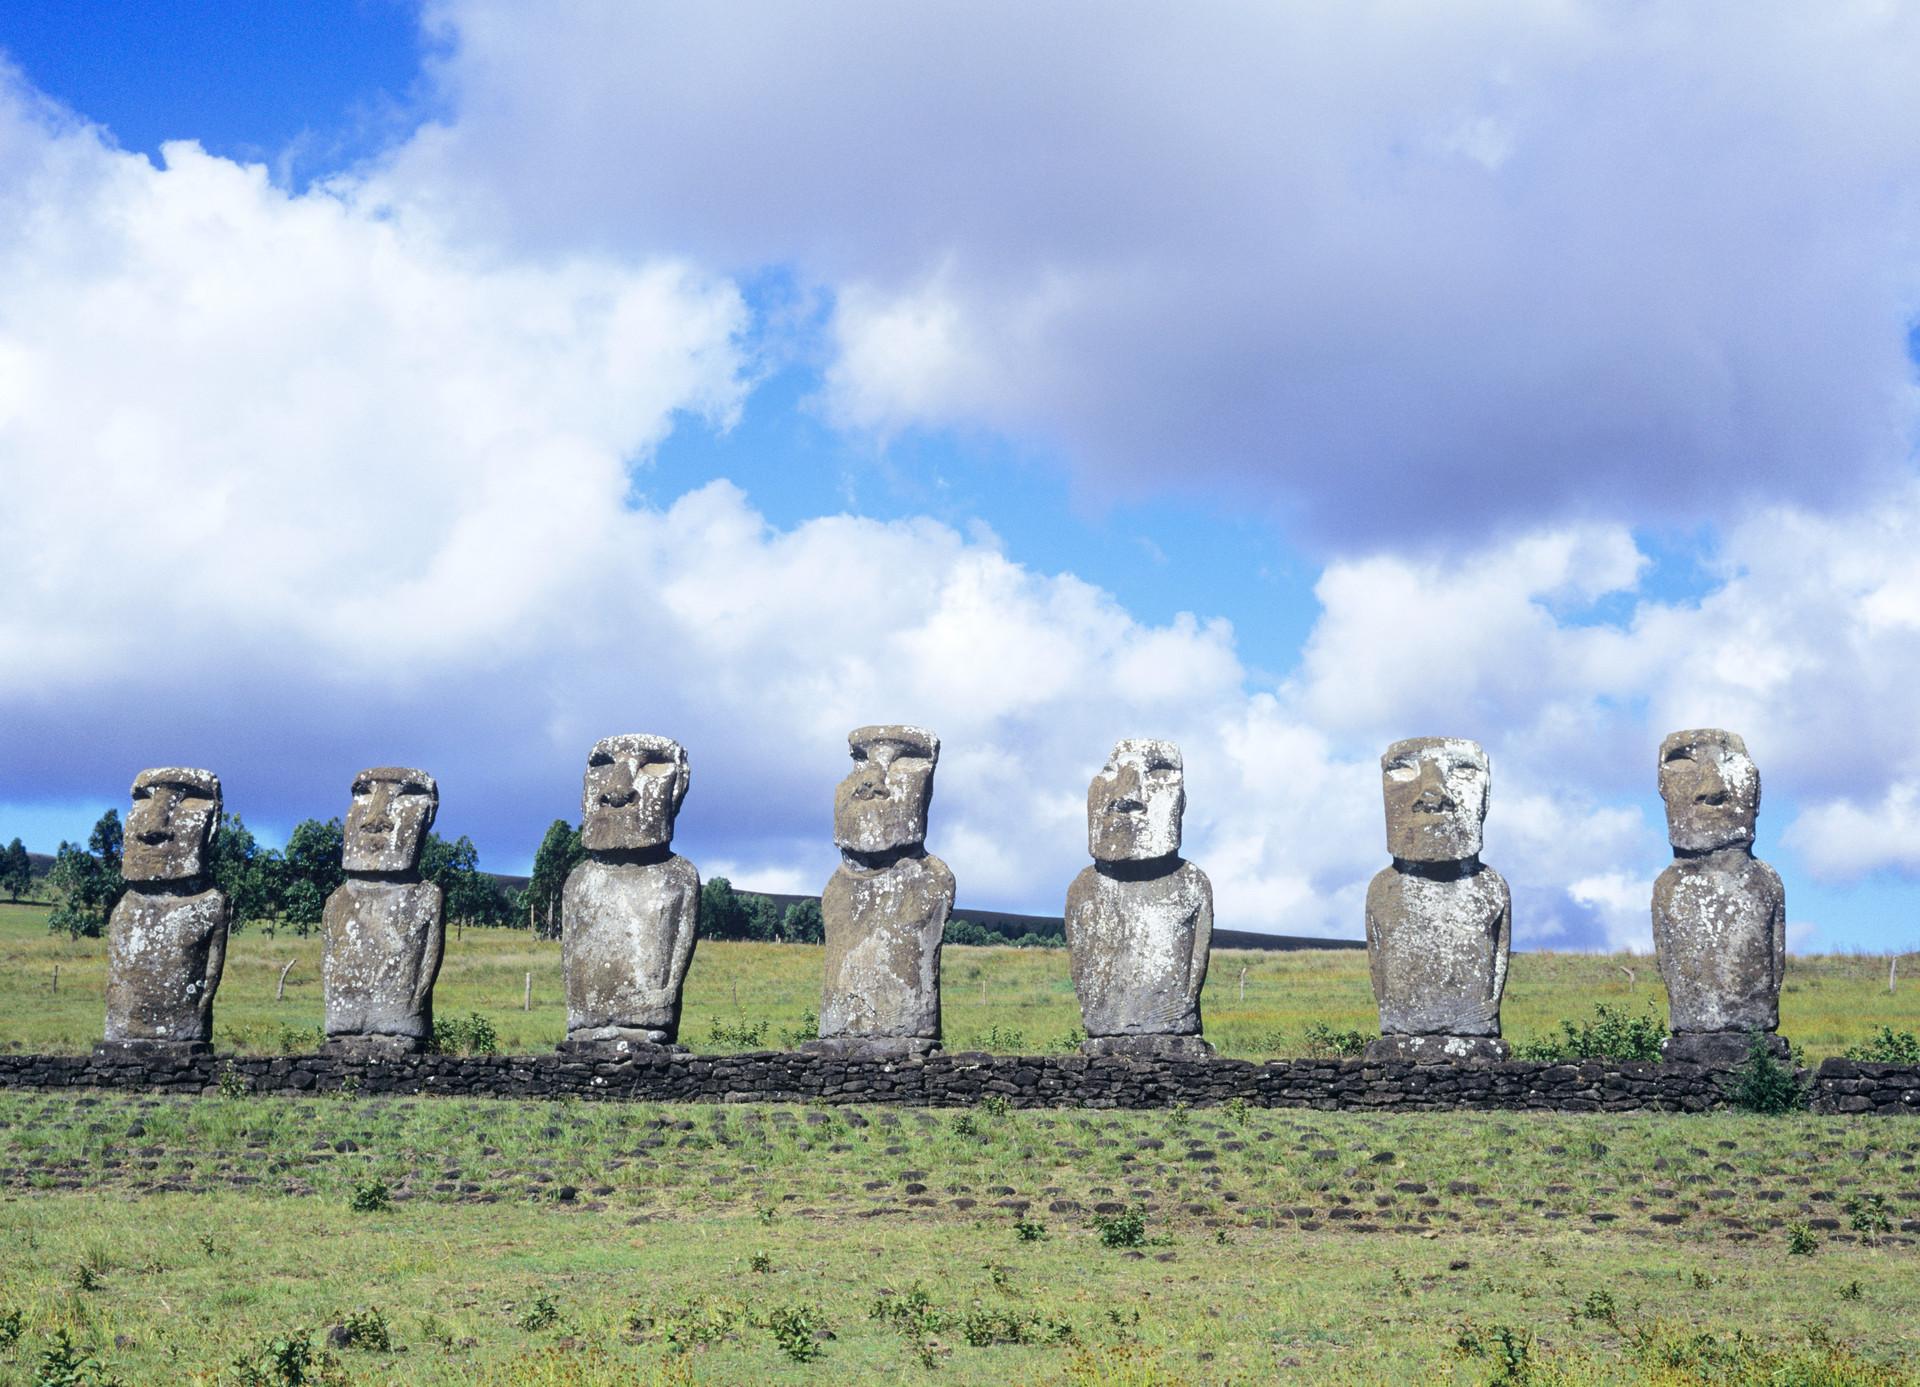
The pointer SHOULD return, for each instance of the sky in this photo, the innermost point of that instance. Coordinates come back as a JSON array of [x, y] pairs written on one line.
[[455, 384]]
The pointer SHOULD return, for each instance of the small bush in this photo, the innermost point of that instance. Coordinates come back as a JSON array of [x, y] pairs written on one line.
[[808, 1029], [541, 1313], [1800, 1240], [1609, 1034], [1887, 1046], [367, 1329], [1237, 1110], [233, 1084], [760, 1262], [288, 1361], [1069, 1043], [999, 1040], [471, 1034], [1029, 1230], [370, 1197], [995, 1105], [1324, 1042], [912, 1313], [797, 1330], [1867, 1215], [1510, 1350], [1125, 1229], [738, 1034], [1851, 1291], [12, 1325], [1762, 1084]]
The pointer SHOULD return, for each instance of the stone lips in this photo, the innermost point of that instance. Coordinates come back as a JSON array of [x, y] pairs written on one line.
[[165, 951], [1138, 949], [173, 817], [383, 945], [881, 805], [1711, 788], [883, 931], [1435, 792], [1136, 802], [627, 940], [632, 792], [387, 823]]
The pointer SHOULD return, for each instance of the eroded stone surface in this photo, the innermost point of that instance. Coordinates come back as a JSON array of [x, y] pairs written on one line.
[[1139, 921], [1439, 921], [1719, 913], [384, 929], [167, 936], [886, 907], [631, 911]]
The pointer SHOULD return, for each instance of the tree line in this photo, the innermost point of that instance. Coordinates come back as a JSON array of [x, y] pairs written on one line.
[[274, 886]]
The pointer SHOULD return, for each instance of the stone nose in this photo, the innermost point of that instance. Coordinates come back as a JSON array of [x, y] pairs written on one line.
[[871, 787], [379, 817], [1433, 789], [619, 790], [1711, 786]]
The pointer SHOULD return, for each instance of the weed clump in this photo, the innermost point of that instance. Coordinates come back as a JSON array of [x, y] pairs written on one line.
[[365, 1329], [737, 1035], [797, 1331], [1323, 1042], [1887, 1046], [1609, 1034], [1762, 1084], [370, 1197], [287, 1361], [1125, 1229], [471, 1034], [1029, 1230], [541, 1313]]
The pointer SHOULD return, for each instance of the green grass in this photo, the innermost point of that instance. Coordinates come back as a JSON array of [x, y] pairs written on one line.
[[588, 1243], [1002, 999]]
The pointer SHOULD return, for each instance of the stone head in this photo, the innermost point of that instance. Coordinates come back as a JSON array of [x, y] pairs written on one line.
[[174, 814], [1712, 789], [634, 786], [1436, 793], [1135, 803], [882, 804], [393, 807]]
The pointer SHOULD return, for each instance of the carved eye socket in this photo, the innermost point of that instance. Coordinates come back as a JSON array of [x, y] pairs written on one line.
[[362, 788], [1401, 770], [142, 792], [859, 753], [1679, 753], [413, 787], [598, 760], [911, 765], [657, 768]]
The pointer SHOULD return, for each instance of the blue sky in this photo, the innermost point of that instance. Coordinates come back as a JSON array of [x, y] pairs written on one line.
[[1285, 385]]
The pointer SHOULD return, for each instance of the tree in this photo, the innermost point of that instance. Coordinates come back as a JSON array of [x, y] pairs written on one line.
[[560, 852], [723, 914], [802, 924], [85, 882], [966, 932], [472, 897], [249, 875], [107, 839], [16, 870], [309, 871], [763, 916]]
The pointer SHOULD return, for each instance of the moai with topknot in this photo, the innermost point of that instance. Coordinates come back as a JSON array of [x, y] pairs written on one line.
[[1719, 912], [167, 937], [1140, 919], [384, 927], [887, 905], [1439, 920], [631, 911]]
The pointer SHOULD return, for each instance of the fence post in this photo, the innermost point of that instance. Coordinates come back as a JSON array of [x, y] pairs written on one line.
[[526, 998], [280, 992]]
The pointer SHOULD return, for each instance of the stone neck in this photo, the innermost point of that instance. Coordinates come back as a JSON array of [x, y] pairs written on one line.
[[172, 886], [408, 877], [651, 856], [1138, 869], [868, 862], [1452, 869], [1732, 856]]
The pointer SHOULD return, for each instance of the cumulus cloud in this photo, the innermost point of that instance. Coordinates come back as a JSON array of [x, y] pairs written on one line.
[[1411, 273]]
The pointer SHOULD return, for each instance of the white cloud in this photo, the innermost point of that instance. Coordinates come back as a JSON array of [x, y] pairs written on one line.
[[1411, 272]]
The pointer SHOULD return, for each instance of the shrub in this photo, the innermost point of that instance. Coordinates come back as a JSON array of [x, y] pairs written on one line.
[[796, 1329], [808, 1029], [760, 1262], [1609, 1034], [1509, 1349], [541, 1313], [738, 1035], [1324, 1042], [1800, 1240], [471, 1034], [367, 1329], [1867, 1215], [289, 1361], [1125, 1229], [12, 1324], [966, 932], [233, 1084], [1887, 1046], [1762, 1084], [370, 1197], [1029, 1230]]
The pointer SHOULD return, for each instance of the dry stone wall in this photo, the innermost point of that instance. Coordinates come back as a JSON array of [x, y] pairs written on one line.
[[961, 1080]]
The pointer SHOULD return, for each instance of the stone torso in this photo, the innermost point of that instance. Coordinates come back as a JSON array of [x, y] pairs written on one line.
[[1719, 927], [883, 932], [1437, 949], [384, 941], [1138, 949], [626, 942], [165, 952]]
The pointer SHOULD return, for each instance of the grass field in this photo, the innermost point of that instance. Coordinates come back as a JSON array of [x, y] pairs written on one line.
[[1000, 999], [601, 1244]]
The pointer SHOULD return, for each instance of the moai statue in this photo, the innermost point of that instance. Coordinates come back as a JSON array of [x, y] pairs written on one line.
[[1140, 919], [629, 913], [384, 927], [1439, 920], [1719, 912], [887, 904], [167, 939]]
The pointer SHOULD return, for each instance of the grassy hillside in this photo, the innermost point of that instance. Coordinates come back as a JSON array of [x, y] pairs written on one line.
[[1001, 999]]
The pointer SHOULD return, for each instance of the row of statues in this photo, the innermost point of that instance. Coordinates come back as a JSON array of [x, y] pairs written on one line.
[[1139, 919]]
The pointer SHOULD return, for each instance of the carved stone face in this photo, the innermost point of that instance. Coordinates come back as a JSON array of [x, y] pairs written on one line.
[[1135, 803], [634, 786], [174, 813], [393, 807], [1712, 789], [1436, 793], [882, 804]]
